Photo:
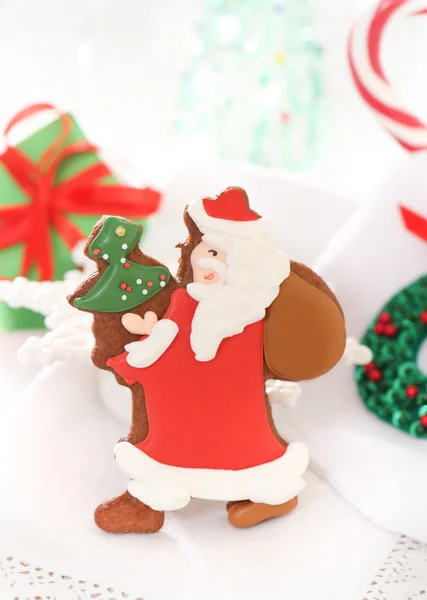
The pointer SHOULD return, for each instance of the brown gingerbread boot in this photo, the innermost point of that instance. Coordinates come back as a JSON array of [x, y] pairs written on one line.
[[126, 514], [246, 514]]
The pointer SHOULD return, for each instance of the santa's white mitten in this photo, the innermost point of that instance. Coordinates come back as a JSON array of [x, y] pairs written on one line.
[[356, 353], [145, 352], [285, 393]]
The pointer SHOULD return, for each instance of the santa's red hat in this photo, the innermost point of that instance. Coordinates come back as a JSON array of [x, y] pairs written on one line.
[[228, 213]]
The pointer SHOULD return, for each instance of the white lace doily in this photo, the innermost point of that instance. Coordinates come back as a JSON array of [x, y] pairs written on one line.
[[403, 576], [28, 582]]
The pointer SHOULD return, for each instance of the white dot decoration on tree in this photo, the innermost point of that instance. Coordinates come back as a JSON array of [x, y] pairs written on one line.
[[364, 51]]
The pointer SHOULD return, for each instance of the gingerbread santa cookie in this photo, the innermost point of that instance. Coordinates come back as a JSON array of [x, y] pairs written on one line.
[[196, 351]]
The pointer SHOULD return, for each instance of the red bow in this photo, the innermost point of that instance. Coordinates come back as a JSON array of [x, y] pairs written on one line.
[[414, 222], [50, 205]]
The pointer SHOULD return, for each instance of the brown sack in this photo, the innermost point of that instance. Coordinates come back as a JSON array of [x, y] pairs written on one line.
[[304, 333]]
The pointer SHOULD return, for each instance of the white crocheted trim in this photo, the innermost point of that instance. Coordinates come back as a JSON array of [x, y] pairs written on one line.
[[70, 330]]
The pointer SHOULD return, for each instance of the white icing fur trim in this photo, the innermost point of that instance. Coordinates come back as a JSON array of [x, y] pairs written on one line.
[[145, 352], [165, 487], [245, 229], [256, 269], [285, 393], [356, 353], [217, 241]]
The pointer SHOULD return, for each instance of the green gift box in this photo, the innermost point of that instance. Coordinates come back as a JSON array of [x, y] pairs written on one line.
[[53, 189]]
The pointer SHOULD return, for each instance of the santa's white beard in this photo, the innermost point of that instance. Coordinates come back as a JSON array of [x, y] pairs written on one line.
[[247, 287]]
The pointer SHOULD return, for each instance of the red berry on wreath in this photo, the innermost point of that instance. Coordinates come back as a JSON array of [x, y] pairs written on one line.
[[379, 328], [375, 375], [411, 391], [97, 251], [367, 368], [423, 317], [122, 286], [390, 330], [384, 317], [423, 421]]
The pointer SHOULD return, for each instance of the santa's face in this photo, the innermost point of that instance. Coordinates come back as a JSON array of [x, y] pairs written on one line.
[[208, 264]]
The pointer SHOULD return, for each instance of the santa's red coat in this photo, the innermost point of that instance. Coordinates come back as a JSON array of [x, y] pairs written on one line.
[[208, 415]]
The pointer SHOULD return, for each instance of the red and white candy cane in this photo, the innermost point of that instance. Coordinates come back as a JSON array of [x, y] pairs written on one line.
[[364, 52]]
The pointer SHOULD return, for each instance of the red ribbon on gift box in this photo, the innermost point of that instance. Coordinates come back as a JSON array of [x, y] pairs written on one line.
[[414, 222], [49, 204]]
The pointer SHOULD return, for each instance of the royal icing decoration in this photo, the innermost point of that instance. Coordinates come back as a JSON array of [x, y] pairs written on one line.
[[197, 427], [175, 486], [140, 282], [247, 238], [197, 368]]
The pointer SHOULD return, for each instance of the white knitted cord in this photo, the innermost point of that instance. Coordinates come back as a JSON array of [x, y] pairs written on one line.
[[70, 330]]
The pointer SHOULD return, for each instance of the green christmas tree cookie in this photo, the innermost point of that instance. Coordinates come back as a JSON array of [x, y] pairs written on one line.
[[124, 284]]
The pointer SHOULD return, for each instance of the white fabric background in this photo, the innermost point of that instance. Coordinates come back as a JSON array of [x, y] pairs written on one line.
[[57, 464], [376, 467]]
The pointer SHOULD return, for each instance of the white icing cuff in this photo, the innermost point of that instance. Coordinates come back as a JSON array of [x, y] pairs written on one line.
[[356, 353], [166, 487], [285, 393], [145, 352]]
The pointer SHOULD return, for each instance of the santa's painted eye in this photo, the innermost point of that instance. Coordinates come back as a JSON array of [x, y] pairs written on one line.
[[214, 252]]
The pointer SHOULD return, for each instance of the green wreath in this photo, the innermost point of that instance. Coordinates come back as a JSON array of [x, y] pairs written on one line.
[[392, 386]]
